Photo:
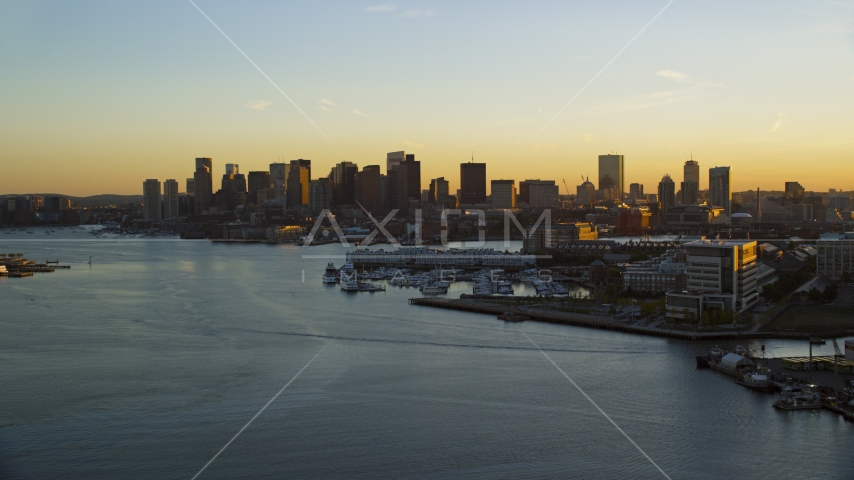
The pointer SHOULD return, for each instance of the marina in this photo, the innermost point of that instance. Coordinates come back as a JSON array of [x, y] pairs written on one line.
[[795, 379]]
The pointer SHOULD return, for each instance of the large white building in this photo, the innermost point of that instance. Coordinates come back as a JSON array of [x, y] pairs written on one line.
[[835, 255], [151, 200], [720, 274]]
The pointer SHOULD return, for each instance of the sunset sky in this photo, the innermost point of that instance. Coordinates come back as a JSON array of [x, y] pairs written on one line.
[[96, 96]]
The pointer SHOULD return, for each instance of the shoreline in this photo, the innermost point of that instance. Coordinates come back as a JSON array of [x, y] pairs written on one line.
[[579, 320]]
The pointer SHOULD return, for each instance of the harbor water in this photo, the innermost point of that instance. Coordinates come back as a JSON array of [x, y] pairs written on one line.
[[145, 363]]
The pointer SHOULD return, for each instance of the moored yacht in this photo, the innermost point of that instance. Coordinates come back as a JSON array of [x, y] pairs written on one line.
[[331, 274]]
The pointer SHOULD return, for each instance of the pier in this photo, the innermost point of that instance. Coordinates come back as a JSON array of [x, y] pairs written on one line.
[[479, 304], [475, 304]]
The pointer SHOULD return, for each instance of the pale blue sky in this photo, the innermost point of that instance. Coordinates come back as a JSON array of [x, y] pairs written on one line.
[[97, 96]]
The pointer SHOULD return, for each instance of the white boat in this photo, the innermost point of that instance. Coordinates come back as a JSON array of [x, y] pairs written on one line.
[[433, 289], [350, 285], [331, 274], [756, 381], [717, 352], [370, 287]]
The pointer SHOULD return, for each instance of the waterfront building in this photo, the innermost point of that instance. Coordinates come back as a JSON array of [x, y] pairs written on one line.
[[298, 178], [720, 274], [367, 188], [445, 258], [170, 199], [151, 200], [657, 275], [691, 183], [503, 194], [472, 183], [720, 194], [611, 173], [666, 196], [835, 255], [550, 236]]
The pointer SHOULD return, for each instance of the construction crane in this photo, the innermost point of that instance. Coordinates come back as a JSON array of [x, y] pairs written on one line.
[[564, 186]]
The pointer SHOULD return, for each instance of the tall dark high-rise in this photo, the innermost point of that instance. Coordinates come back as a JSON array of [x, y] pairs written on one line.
[[170, 198], [367, 188], [203, 185], [343, 177], [151, 200], [666, 196], [258, 181], [404, 181], [691, 185], [439, 190], [719, 188], [794, 190], [472, 183], [611, 173], [279, 179], [299, 177]]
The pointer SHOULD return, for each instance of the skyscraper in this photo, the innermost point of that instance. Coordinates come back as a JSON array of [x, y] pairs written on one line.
[[394, 158], [635, 192], [258, 181], [319, 194], [343, 177], [611, 173], [279, 179], [232, 169], [503, 194], [203, 185], [691, 184], [404, 180], [719, 188], [367, 188], [666, 196], [299, 177], [151, 200], [794, 190], [472, 183], [191, 186], [439, 190], [170, 198]]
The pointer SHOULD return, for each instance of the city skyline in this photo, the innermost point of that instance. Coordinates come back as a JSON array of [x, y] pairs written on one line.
[[95, 112]]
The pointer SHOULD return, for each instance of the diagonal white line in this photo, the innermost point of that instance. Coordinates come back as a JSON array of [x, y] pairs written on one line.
[[603, 69], [595, 405], [262, 410], [265, 75]]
